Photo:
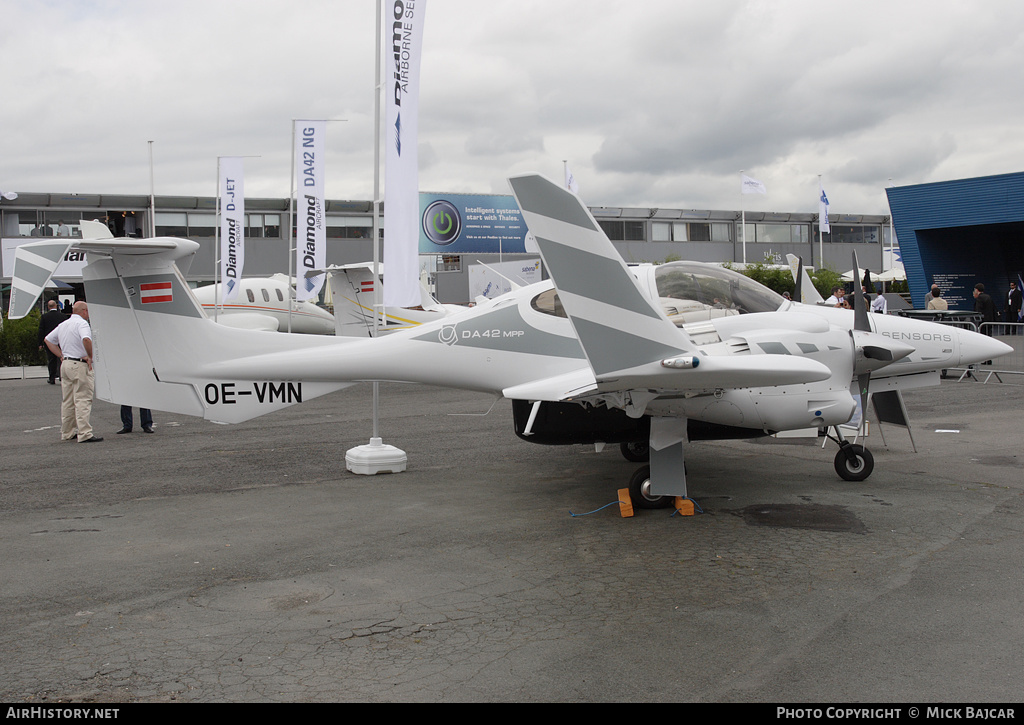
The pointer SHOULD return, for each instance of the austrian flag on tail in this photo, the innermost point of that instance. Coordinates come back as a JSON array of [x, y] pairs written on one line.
[[155, 292]]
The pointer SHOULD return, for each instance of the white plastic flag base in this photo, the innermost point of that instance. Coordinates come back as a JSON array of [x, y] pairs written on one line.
[[375, 458]]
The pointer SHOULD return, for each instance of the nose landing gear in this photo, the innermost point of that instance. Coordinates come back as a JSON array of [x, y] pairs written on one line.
[[853, 462]]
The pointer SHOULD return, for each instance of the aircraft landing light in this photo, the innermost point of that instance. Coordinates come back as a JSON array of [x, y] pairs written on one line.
[[682, 363]]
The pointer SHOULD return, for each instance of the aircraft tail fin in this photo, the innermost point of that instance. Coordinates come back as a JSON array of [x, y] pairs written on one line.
[[618, 326], [156, 348], [806, 292], [352, 297], [92, 229]]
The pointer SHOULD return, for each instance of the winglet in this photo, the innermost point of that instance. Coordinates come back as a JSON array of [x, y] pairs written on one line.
[[618, 327]]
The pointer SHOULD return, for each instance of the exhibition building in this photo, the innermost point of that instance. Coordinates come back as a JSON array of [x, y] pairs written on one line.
[[953, 233]]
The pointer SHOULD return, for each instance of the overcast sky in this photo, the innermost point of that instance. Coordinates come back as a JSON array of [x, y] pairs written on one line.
[[655, 103]]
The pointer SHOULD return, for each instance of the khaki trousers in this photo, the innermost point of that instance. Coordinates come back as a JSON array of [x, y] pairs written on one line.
[[76, 384]]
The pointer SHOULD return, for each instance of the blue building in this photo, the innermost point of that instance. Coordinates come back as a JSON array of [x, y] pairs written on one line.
[[958, 233]]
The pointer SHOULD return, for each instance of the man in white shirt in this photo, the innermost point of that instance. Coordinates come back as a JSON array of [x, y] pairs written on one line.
[[879, 305], [71, 341]]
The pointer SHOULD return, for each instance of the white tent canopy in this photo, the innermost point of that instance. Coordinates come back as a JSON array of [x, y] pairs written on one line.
[[896, 274]]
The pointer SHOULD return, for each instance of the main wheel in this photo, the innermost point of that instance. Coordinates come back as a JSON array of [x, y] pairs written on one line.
[[636, 451], [857, 469], [640, 491]]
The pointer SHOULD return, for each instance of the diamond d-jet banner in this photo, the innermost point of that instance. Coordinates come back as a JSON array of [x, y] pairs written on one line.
[[232, 225], [403, 42], [471, 224], [311, 232]]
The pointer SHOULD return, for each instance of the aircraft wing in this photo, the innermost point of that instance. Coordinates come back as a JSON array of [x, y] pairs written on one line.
[[556, 388], [628, 340]]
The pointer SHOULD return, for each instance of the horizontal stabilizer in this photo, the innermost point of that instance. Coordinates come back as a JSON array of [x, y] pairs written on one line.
[[34, 264]]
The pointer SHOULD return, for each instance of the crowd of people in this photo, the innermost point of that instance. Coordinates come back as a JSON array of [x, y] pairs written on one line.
[[984, 304]]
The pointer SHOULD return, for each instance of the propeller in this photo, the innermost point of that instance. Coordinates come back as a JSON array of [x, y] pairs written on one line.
[[861, 323]]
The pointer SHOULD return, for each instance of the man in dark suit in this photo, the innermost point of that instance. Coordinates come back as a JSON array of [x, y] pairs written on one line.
[[983, 303], [47, 323], [1013, 302]]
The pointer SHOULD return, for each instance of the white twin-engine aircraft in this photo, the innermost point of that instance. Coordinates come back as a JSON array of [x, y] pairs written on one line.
[[686, 351]]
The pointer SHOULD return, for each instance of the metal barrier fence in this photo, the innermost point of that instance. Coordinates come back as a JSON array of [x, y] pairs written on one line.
[[1011, 333]]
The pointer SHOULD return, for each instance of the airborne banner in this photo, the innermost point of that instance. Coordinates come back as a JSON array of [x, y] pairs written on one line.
[[403, 40], [232, 224], [311, 232]]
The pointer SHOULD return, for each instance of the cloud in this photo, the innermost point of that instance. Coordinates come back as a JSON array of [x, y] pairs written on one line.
[[659, 103]]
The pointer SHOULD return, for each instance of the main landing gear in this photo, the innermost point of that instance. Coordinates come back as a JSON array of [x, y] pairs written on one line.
[[853, 462], [640, 482], [640, 491]]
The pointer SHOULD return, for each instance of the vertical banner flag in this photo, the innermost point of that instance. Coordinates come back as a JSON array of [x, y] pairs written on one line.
[[570, 181], [310, 230], [823, 210], [232, 225], [403, 41], [752, 186]]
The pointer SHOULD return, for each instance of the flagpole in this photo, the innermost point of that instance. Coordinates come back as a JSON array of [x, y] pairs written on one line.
[[743, 220], [376, 457], [216, 249], [292, 282], [378, 82], [821, 236], [892, 237], [152, 198]]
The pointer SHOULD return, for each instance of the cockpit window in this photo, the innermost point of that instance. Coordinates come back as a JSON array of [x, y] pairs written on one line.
[[548, 303], [694, 292]]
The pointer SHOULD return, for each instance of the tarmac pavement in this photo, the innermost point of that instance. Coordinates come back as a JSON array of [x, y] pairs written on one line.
[[210, 563]]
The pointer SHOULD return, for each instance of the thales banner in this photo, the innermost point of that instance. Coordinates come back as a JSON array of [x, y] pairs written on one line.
[[471, 223], [310, 230], [402, 27], [232, 225]]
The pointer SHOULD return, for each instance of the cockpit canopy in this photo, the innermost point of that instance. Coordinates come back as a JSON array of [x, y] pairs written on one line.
[[694, 292]]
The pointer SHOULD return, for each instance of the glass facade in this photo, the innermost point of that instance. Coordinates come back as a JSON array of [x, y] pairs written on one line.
[[851, 234], [623, 231], [691, 231]]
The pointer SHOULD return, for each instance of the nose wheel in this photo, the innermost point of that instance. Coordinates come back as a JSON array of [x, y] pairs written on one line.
[[853, 461]]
